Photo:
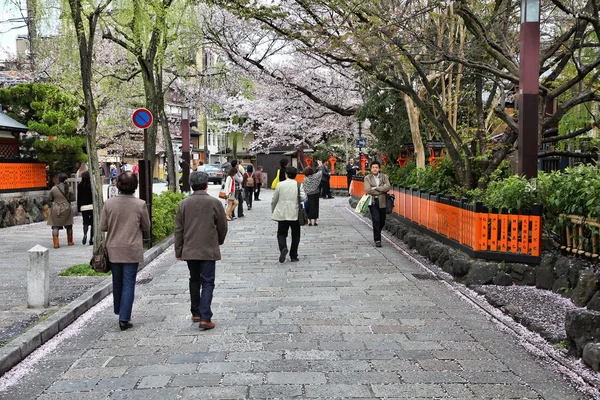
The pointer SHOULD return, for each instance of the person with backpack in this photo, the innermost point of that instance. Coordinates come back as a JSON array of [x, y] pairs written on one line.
[[248, 185]]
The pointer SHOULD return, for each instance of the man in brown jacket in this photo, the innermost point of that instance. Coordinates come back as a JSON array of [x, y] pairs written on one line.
[[200, 228], [377, 185]]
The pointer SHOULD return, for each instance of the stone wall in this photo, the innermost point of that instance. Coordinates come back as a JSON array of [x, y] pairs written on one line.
[[23, 208]]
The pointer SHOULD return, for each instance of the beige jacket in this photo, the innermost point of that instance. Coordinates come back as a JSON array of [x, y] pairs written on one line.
[[200, 228], [378, 191], [124, 218], [284, 204], [61, 213]]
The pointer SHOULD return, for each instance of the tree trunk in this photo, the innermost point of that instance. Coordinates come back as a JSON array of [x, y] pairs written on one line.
[[32, 28], [91, 121], [415, 131], [152, 106]]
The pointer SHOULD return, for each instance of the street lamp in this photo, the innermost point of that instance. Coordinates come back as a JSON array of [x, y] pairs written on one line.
[[185, 147], [529, 72]]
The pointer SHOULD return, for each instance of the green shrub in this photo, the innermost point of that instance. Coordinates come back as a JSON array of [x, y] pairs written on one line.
[[438, 179], [82, 270], [514, 192], [402, 176], [164, 209]]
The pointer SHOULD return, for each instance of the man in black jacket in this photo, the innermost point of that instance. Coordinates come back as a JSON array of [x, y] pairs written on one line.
[[351, 169], [325, 188]]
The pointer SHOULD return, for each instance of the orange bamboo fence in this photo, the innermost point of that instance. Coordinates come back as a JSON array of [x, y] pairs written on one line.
[[335, 181], [480, 232], [22, 176]]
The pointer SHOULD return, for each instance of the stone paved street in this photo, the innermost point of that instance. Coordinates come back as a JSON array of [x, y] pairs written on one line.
[[347, 321]]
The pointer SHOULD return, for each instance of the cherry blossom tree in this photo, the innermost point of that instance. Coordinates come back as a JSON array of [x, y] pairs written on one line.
[[455, 61], [298, 99]]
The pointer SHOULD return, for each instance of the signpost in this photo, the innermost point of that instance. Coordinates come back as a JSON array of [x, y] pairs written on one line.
[[142, 119]]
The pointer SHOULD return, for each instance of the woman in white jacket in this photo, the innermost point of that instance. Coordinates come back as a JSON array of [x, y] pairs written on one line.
[[284, 207], [230, 190]]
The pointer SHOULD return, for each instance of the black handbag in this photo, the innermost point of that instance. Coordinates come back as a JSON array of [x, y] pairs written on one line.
[[389, 203], [302, 217], [99, 261]]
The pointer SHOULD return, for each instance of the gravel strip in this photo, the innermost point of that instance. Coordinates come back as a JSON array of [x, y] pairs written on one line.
[[539, 310]]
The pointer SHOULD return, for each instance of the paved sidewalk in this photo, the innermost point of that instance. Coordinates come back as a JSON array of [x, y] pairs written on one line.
[[16, 241], [347, 321], [14, 263]]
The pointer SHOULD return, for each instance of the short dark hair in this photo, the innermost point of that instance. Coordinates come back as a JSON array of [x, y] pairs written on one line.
[[376, 163], [291, 172], [127, 182], [233, 163], [308, 171], [250, 168], [198, 180], [61, 177], [284, 162]]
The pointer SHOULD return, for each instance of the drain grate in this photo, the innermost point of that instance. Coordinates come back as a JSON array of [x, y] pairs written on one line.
[[426, 277], [143, 281]]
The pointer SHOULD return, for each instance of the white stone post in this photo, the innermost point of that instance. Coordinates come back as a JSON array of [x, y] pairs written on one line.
[[38, 278]]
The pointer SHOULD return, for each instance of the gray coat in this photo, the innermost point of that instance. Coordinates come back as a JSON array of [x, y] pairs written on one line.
[[61, 213], [200, 228], [378, 191], [124, 218]]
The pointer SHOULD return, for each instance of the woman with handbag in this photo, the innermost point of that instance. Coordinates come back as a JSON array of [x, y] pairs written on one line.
[[85, 205], [285, 207], [61, 215], [124, 218], [230, 191]]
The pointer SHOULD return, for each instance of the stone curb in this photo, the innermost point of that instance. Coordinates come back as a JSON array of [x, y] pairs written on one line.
[[25, 344]]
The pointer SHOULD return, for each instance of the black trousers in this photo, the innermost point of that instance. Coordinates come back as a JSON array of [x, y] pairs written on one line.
[[239, 195], [378, 216], [282, 233], [325, 189], [248, 196], [256, 190]]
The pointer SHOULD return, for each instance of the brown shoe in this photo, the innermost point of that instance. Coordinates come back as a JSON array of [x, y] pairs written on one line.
[[56, 242], [70, 240], [205, 325]]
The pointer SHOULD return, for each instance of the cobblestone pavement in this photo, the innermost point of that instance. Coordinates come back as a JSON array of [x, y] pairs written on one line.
[[347, 321]]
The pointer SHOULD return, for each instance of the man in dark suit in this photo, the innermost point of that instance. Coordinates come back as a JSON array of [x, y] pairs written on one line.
[[351, 169]]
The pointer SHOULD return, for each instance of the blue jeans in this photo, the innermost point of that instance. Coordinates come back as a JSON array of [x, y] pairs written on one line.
[[202, 284], [123, 277]]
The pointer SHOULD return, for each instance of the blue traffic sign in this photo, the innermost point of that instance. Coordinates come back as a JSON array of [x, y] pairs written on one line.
[[142, 118], [362, 142]]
